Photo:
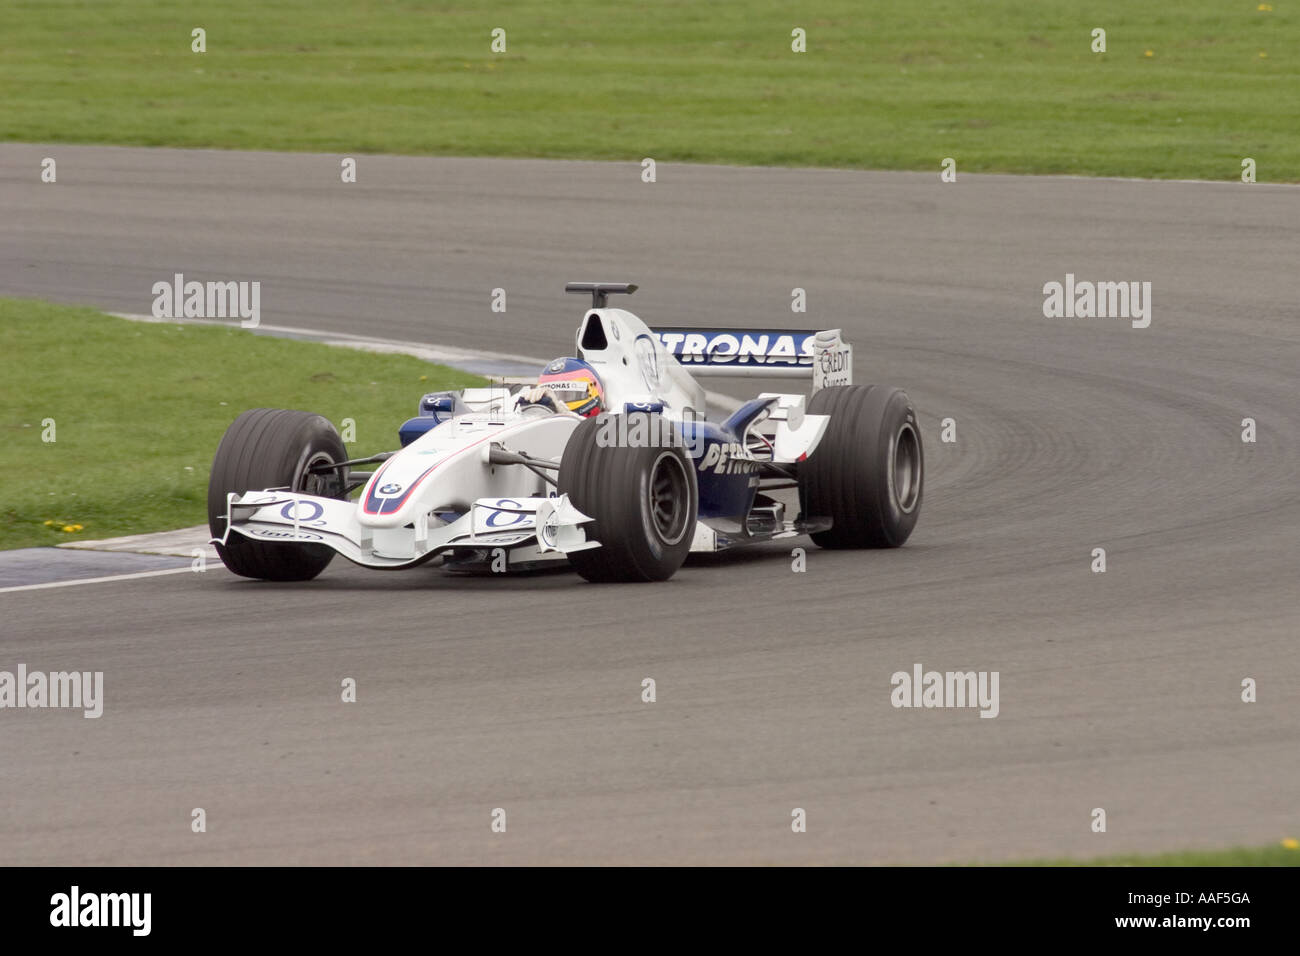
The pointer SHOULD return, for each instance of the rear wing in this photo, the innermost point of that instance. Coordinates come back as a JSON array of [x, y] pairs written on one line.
[[762, 353]]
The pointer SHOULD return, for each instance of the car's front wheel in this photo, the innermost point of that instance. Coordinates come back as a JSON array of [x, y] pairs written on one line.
[[638, 484], [274, 448]]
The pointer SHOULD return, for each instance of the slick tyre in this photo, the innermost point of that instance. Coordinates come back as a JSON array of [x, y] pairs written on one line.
[[640, 491], [273, 448], [866, 473]]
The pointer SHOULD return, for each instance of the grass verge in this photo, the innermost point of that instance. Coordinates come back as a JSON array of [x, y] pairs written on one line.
[[1285, 854], [1184, 89], [136, 411]]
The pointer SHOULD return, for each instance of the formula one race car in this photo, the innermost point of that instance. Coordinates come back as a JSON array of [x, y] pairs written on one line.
[[607, 460]]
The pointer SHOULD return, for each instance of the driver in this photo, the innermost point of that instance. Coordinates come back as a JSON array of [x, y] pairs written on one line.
[[566, 383]]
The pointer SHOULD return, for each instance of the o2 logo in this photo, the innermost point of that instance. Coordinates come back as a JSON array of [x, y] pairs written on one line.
[[290, 513], [506, 519]]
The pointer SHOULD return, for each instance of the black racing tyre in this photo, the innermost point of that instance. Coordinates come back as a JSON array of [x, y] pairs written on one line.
[[866, 473], [642, 495], [273, 448]]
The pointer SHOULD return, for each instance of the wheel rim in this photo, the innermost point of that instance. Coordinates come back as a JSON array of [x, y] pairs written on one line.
[[905, 469], [668, 498], [323, 485]]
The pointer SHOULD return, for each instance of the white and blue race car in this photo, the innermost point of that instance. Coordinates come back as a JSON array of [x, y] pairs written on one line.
[[607, 461]]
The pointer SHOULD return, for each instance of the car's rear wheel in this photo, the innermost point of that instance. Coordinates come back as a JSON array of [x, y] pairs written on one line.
[[643, 497], [866, 473], [274, 448]]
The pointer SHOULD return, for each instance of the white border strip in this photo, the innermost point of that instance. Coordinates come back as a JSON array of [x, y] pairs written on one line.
[[111, 577], [442, 354]]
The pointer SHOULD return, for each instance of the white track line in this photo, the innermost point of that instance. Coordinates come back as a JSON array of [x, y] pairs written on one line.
[[442, 354], [111, 577]]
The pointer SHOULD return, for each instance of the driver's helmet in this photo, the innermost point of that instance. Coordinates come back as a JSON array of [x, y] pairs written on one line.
[[576, 384]]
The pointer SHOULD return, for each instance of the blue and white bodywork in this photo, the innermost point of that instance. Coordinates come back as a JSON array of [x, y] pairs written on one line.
[[473, 478]]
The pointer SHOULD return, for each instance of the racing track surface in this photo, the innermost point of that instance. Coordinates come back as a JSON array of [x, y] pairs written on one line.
[[1118, 690]]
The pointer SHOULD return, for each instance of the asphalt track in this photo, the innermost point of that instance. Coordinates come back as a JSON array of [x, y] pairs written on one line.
[[1118, 690]]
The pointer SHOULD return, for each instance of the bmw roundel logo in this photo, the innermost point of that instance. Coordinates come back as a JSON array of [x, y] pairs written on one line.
[[390, 489]]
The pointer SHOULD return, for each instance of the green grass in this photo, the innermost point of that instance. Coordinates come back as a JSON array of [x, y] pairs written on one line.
[[139, 408], [1000, 85], [1240, 856]]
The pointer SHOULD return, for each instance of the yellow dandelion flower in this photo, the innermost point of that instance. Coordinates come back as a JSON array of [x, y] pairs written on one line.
[[1265, 7], [50, 524], [1263, 55], [77, 527], [1291, 843], [1149, 53], [68, 528]]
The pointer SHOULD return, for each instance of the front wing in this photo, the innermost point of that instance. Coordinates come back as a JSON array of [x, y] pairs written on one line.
[[552, 524]]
